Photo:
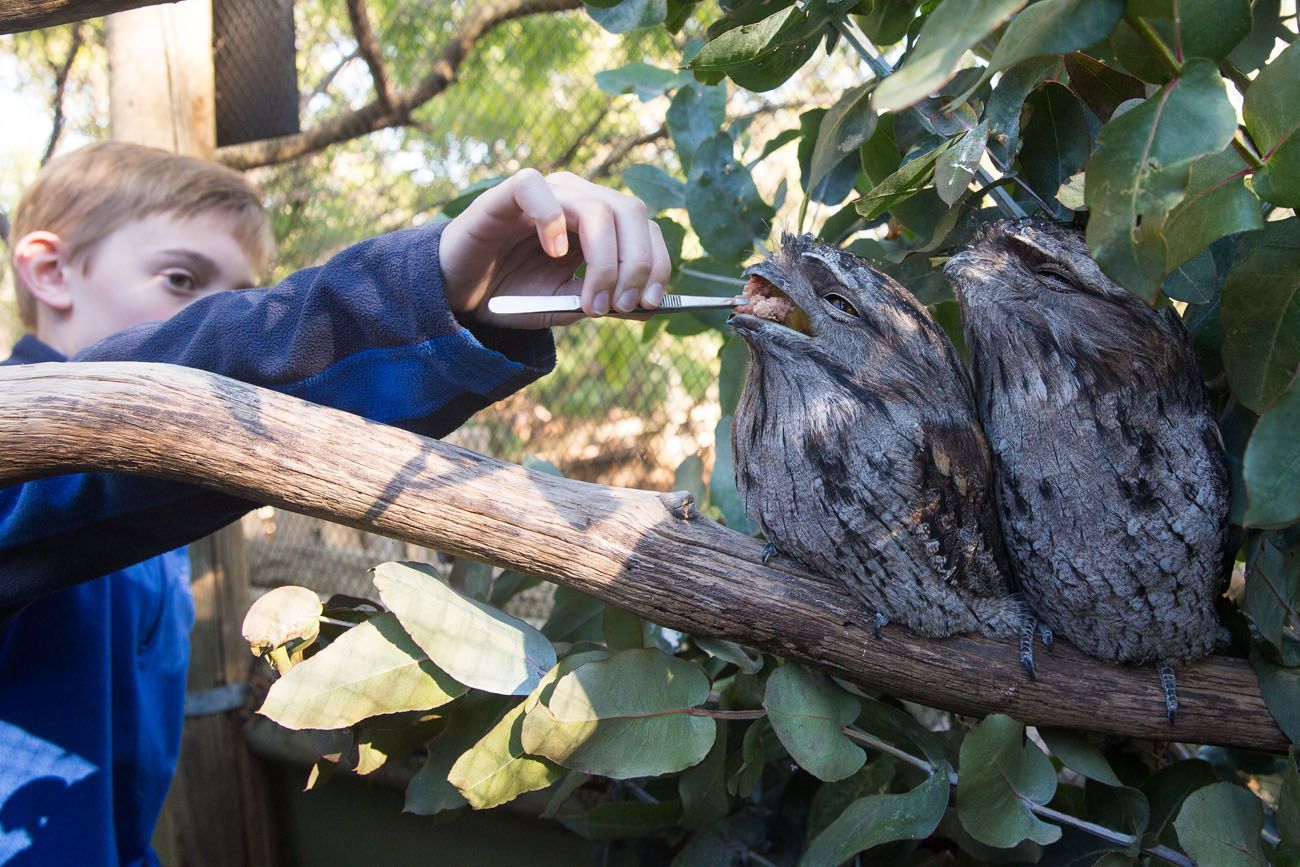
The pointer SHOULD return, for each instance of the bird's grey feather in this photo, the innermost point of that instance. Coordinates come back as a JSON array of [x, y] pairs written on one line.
[[859, 453], [1112, 483]]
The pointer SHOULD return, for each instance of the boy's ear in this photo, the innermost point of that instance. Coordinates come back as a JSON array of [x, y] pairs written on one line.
[[40, 260]]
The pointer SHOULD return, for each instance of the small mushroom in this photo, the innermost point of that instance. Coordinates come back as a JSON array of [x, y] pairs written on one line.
[[283, 616]]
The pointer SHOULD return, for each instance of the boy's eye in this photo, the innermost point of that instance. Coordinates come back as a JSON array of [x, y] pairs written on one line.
[[181, 281]]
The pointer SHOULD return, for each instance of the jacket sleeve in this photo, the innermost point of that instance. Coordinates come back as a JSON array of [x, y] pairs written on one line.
[[369, 332]]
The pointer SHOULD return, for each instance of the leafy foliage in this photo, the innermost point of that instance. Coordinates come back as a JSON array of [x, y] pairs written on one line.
[[1120, 116]]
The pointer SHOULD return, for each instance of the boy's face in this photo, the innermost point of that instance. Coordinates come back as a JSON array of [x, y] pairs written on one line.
[[147, 271]]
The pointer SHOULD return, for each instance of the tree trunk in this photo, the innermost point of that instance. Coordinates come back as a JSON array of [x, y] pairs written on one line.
[[650, 553]]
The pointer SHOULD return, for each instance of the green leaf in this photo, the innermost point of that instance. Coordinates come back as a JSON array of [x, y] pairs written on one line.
[[574, 617], [1166, 790], [946, 35], [731, 652], [624, 717], [1103, 88], [878, 819], [497, 770], [371, 669], [886, 21], [844, 128], [734, 363], [1008, 98], [725, 208], [1261, 317], [695, 115], [1141, 170], [759, 746], [1055, 27], [429, 791], [654, 186], [909, 180], [1265, 28], [1280, 687], [1272, 598], [722, 483], [900, 728], [1197, 28], [1002, 774], [1057, 143], [832, 799], [646, 81], [629, 15], [1217, 204], [703, 787], [623, 629], [1272, 112], [837, 181], [1220, 825], [764, 54], [956, 166], [808, 711], [1078, 754], [480, 646]]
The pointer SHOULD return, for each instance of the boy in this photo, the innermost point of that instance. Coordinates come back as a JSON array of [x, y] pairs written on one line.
[[122, 252]]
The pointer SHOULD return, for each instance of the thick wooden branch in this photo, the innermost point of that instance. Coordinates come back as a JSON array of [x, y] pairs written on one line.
[[368, 45], [375, 115], [19, 15], [651, 553]]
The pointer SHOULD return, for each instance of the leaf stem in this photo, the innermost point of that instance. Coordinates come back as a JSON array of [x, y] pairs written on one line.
[[1147, 32], [1233, 73], [1110, 835], [1247, 152]]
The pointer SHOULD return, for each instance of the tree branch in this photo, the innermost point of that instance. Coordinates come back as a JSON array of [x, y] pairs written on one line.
[[650, 553], [19, 15], [373, 116], [368, 47], [61, 72]]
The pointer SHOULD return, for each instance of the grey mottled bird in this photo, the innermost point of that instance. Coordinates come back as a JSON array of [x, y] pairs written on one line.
[[858, 449], [1112, 484]]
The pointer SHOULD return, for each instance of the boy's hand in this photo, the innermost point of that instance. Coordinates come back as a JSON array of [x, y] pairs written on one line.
[[527, 236]]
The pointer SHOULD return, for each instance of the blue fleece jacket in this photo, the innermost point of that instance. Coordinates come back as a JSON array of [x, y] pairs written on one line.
[[92, 664]]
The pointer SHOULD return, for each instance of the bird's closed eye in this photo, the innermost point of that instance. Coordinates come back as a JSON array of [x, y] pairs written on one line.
[[1055, 279], [839, 302]]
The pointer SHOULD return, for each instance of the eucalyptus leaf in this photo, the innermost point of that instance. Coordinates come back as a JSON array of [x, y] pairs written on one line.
[[629, 15], [1141, 170], [1055, 27], [373, 668], [878, 819], [1008, 98], [844, 128], [723, 494], [832, 799], [909, 180], [1272, 598], [703, 787], [885, 21], [624, 819], [642, 79], [1056, 139], [496, 769], [947, 34], [807, 712], [1261, 317], [1166, 790], [429, 791], [1217, 203], [726, 210], [480, 646], [1078, 754], [956, 166], [1280, 686], [1220, 825], [1002, 774], [1288, 811], [1102, 87], [574, 616], [695, 115], [624, 717], [654, 186], [1272, 112]]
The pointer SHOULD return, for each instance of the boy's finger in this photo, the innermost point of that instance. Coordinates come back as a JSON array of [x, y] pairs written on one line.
[[660, 272], [595, 224], [530, 193], [637, 256]]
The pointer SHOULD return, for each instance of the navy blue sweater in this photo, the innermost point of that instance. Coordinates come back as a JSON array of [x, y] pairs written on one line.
[[92, 672]]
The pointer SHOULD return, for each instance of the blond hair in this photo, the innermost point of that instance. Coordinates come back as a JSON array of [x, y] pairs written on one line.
[[85, 196]]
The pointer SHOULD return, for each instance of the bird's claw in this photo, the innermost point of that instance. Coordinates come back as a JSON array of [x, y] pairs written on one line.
[[769, 551], [878, 622], [1169, 684]]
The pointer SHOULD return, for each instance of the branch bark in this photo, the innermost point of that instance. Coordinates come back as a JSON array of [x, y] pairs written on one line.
[[368, 46], [19, 15], [61, 73], [648, 552], [373, 116]]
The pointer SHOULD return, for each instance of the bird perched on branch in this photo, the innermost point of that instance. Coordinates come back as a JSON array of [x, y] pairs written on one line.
[[858, 449], [1112, 483]]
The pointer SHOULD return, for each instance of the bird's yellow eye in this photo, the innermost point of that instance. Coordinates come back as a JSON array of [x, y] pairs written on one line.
[[839, 302]]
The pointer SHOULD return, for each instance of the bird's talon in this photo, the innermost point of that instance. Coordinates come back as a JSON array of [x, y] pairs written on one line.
[[769, 551], [878, 623]]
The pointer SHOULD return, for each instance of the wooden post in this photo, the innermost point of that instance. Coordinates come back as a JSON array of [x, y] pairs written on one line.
[[162, 93]]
